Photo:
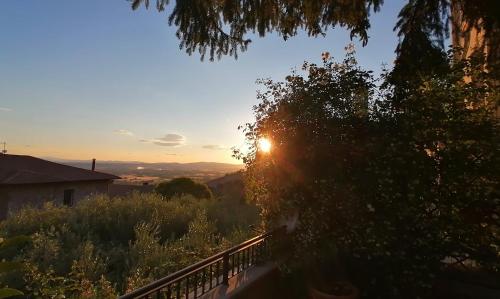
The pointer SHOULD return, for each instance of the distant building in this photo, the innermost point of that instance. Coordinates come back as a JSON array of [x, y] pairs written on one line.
[[26, 180]]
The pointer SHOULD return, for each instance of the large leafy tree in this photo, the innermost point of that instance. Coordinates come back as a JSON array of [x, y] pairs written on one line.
[[221, 27], [402, 184]]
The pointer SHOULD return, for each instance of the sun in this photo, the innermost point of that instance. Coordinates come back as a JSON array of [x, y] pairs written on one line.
[[265, 145]]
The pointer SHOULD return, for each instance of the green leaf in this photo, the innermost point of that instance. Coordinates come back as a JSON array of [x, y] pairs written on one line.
[[9, 266], [14, 241], [7, 293]]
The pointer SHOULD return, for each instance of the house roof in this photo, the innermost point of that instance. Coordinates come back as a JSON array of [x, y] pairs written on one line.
[[17, 169]]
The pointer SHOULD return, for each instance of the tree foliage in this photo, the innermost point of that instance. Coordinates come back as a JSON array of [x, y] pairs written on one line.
[[402, 184], [183, 186], [222, 27]]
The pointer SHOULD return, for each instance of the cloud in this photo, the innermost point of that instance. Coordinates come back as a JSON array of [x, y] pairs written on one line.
[[214, 147], [4, 109], [167, 140], [123, 132], [170, 140]]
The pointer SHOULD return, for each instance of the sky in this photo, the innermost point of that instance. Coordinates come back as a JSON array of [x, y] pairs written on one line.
[[94, 79]]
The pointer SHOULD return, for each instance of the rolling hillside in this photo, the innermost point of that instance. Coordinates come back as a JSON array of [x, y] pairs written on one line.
[[139, 172]]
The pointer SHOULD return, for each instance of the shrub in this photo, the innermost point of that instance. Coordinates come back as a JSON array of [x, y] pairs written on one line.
[[183, 186], [102, 247]]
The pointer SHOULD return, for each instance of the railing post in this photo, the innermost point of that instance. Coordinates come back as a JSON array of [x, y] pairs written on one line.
[[225, 269]]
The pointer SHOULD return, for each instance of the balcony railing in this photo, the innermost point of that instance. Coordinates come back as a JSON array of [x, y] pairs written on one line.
[[199, 278]]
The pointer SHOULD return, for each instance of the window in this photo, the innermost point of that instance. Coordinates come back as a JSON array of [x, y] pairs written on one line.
[[69, 194]]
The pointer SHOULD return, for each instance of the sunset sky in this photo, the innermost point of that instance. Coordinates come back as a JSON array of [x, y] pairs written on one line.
[[94, 79]]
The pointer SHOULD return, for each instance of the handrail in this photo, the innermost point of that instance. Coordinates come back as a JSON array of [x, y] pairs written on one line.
[[252, 251]]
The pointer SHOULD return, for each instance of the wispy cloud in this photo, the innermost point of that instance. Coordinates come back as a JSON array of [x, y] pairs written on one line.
[[5, 109], [167, 140], [123, 132], [214, 147]]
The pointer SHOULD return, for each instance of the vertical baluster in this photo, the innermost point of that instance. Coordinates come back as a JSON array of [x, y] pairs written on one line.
[[187, 287], [211, 278], [242, 262], [238, 262], [245, 258], [254, 254], [264, 251], [257, 249], [169, 292], [195, 284], [217, 273], [232, 265], [242, 259], [178, 294], [249, 252], [225, 269], [248, 257], [203, 280], [251, 255]]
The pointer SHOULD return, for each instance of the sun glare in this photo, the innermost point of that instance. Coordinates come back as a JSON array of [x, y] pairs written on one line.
[[265, 145]]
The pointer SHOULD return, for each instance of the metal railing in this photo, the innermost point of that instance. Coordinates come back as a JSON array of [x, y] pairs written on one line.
[[199, 278]]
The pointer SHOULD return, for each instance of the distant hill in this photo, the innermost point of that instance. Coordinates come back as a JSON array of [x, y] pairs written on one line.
[[138, 172], [230, 186]]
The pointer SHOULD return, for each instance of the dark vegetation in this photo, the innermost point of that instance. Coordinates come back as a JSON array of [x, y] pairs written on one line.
[[183, 186], [216, 28], [391, 184], [103, 247]]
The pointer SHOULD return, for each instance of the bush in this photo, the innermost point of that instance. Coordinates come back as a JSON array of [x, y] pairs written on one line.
[[102, 247], [183, 186]]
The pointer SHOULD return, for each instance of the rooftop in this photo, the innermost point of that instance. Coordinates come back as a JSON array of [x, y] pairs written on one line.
[[19, 169]]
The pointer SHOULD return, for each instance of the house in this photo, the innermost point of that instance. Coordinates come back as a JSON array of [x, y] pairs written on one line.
[[26, 180]]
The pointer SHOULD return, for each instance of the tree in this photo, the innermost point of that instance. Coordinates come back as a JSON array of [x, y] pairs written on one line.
[[218, 28], [180, 186], [399, 191]]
